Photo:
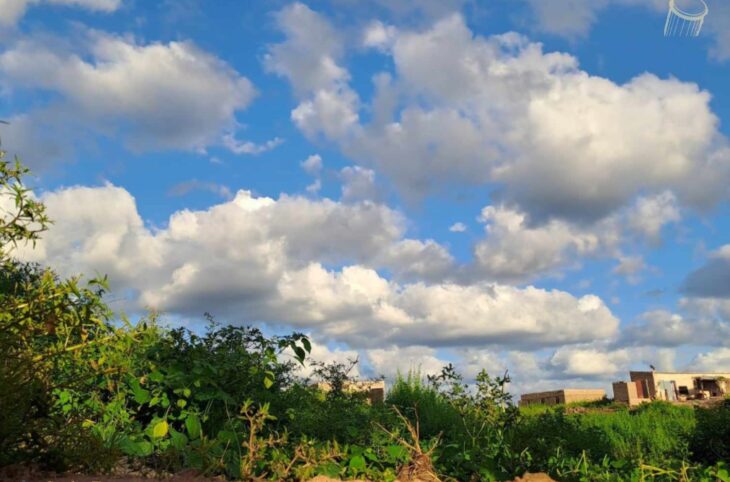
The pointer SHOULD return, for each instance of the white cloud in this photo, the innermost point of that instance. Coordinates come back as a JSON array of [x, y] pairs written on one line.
[[499, 109], [378, 35], [396, 360], [266, 258], [314, 187], [155, 96], [248, 147], [589, 362], [702, 322], [457, 228], [651, 214], [514, 250], [322, 354], [309, 55], [714, 361], [13, 10], [358, 183], [630, 267], [312, 164]]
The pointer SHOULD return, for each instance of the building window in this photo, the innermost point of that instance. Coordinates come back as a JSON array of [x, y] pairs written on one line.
[[683, 390]]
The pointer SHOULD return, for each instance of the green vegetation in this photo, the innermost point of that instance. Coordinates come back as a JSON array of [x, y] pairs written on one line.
[[84, 389]]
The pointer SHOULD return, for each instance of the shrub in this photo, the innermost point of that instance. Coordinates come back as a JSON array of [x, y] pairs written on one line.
[[711, 439]]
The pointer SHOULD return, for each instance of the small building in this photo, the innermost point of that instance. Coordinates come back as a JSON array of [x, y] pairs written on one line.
[[374, 388], [557, 397], [670, 386]]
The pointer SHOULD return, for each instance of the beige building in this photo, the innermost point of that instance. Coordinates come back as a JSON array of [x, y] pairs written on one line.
[[670, 386], [374, 388], [568, 395]]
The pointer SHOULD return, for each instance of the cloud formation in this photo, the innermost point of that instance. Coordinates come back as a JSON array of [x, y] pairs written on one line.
[[500, 112], [154, 96], [309, 264]]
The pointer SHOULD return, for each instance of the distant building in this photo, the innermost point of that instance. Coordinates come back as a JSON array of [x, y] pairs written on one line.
[[557, 397], [670, 386], [374, 388]]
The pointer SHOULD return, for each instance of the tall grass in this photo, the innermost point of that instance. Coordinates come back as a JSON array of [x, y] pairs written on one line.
[[419, 401], [650, 434]]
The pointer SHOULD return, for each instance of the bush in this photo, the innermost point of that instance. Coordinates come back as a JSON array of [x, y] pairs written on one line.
[[711, 440], [650, 434]]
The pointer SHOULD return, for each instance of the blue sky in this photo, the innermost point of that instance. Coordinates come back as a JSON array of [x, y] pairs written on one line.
[[496, 184]]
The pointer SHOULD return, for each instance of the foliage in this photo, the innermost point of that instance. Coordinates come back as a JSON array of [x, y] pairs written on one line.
[[711, 440], [650, 434]]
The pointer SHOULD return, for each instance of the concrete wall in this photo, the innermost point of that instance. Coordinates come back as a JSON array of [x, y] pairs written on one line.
[[584, 395], [556, 397], [626, 392]]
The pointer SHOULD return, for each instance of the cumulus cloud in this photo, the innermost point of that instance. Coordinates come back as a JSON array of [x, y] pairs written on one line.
[[589, 362], [312, 164], [514, 250], [309, 264], [651, 214], [499, 111], [156, 96], [358, 183], [699, 322], [714, 361]]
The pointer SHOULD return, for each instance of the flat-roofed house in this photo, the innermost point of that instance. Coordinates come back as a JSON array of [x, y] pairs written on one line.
[[567, 395], [674, 385]]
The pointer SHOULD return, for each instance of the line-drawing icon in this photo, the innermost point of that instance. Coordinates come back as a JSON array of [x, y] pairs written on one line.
[[685, 23]]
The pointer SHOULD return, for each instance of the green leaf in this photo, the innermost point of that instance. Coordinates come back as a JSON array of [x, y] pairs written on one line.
[[179, 440], [301, 355], [192, 424], [160, 429], [141, 395], [397, 452], [268, 379], [371, 455], [357, 463], [156, 376], [307, 345]]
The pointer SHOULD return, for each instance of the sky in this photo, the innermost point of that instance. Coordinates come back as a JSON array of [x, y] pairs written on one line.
[[525, 185]]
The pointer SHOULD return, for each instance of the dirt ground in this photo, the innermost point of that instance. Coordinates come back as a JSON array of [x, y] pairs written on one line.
[[186, 477], [26, 474], [192, 477]]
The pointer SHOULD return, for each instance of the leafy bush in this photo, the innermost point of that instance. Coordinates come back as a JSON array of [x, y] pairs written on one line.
[[711, 440]]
